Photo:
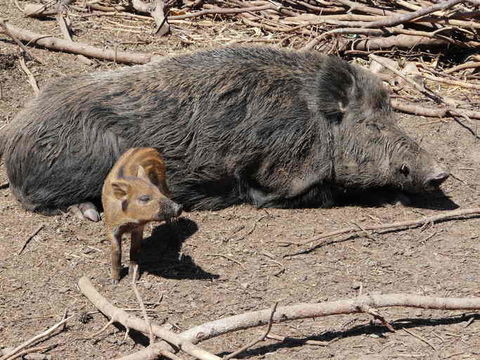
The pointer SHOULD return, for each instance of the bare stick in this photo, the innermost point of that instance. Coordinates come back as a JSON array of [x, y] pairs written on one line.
[[140, 302], [151, 352], [417, 86], [256, 341], [376, 315], [468, 65], [64, 27], [456, 114], [155, 9], [403, 18], [54, 43], [220, 11], [32, 352], [354, 232], [420, 338], [31, 79], [30, 237], [423, 110], [46, 333], [452, 82], [132, 322], [304, 311], [228, 258]]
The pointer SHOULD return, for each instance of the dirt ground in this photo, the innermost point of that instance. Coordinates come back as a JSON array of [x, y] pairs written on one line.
[[215, 264]]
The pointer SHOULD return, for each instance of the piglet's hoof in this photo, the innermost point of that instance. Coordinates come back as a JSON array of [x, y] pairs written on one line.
[[114, 281], [85, 211], [133, 273]]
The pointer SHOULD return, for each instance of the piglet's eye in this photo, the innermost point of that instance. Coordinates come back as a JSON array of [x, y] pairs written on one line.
[[145, 198], [404, 170]]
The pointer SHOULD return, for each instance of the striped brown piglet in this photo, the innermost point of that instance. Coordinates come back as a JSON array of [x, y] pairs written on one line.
[[135, 193]]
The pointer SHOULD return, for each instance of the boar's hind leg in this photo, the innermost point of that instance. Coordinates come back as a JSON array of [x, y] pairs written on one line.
[[85, 210], [318, 196]]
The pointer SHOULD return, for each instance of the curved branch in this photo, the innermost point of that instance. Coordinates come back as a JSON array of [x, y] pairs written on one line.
[[54, 43], [303, 311]]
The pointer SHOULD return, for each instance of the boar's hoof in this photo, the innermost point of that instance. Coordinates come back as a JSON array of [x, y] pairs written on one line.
[[114, 281], [402, 199], [85, 211]]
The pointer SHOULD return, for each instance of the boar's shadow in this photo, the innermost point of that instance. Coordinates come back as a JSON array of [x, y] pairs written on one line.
[[161, 252], [436, 200]]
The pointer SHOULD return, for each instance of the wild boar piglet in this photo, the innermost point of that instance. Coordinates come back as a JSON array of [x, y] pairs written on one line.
[[135, 193]]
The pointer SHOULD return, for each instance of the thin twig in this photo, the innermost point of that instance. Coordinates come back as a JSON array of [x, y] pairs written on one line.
[[228, 258], [255, 341], [354, 232], [31, 79], [46, 333], [420, 338], [30, 237], [13, 36], [142, 306]]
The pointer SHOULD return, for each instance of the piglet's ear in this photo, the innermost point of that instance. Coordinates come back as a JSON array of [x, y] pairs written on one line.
[[142, 173], [120, 189]]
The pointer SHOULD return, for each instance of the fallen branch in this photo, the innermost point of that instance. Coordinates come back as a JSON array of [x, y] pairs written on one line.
[[13, 354], [151, 353], [54, 43], [468, 65], [33, 353], [304, 311], [423, 110], [403, 18], [132, 322], [455, 113], [155, 9], [354, 232]]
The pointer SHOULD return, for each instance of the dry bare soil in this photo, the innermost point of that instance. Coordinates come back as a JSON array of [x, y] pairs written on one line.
[[215, 264]]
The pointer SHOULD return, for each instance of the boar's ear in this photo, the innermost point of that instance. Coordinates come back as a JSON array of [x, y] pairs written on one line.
[[336, 87], [120, 189]]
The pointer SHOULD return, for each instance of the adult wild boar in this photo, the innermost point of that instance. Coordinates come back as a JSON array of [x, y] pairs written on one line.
[[270, 127]]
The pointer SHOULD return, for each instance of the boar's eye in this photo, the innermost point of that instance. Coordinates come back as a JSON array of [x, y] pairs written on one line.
[[404, 170], [144, 198]]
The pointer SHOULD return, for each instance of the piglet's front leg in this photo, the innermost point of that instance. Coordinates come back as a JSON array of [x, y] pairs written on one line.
[[116, 243], [136, 244]]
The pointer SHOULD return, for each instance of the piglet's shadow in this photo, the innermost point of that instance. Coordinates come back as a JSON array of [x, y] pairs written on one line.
[[436, 200], [161, 252]]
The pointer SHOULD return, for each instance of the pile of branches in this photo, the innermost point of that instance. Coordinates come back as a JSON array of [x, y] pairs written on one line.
[[439, 39], [332, 26]]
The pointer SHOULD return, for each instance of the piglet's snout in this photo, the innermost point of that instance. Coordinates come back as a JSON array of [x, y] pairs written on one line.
[[170, 209]]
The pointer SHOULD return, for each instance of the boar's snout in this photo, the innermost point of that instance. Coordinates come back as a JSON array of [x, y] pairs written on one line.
[[436, 179]]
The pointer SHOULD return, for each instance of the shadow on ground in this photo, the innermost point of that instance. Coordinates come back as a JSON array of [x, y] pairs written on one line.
[[435, 200], [359, 330], [162, 256]]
